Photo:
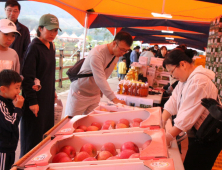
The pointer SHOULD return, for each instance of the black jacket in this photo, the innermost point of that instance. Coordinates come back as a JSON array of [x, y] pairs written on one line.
[[9, 120], [20, 44]]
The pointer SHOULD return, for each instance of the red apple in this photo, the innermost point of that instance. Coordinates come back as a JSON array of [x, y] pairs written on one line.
[[79, 130], [137, 120], [110, 122], [129, 145], [135, 155], [121, 125], [97, 124], [90, 159], [83, 127], [109, 147], [105, 126], [103, 109], [69, 150], [146, 144], [124, 121], [103, 155], [136, 124], [125, 154], [92, 128], [61, 157], [90, 149], [81, 156], [113, 158]]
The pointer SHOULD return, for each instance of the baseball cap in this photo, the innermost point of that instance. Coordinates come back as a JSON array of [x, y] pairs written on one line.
[[7, 26], [49, 21]]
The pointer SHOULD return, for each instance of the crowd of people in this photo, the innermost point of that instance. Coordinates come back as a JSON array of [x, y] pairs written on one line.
[[31, 65]]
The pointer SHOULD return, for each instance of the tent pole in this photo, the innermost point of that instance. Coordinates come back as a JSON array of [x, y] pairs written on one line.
[[85, 33], [163, 6]]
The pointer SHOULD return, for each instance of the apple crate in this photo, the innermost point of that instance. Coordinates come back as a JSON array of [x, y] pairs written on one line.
[[157, 148], [162, 164], [151, 119]]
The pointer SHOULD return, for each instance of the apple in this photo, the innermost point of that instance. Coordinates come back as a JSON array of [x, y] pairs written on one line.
[[97, 124], [105, 127], [136, 124], [113, 158], [83, 127], [125, 154], [61, 157], [69, 150], [79, 130], [135, 155], [110, 122], [81, 156], [103, 109], [103, 155], [124, 121], [137, 120], [121, 125], [129, 145], [90, 149], [90, 159], [109, 147], [92, 128], [146, 144]]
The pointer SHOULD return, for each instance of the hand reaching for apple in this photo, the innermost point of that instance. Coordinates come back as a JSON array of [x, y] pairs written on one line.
[[18, 101], [34, 109]]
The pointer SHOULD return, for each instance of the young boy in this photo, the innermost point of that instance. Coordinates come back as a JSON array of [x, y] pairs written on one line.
[[10, 113], [122, 68], [8, 57]]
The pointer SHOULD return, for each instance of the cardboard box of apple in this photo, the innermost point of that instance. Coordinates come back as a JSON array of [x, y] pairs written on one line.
[[123, 146], [161, 164], [113, 122]]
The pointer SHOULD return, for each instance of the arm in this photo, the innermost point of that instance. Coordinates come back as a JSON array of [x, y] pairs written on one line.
[[17, 64]]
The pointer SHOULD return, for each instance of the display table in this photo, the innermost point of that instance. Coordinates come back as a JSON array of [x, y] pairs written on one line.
[[149, 100]]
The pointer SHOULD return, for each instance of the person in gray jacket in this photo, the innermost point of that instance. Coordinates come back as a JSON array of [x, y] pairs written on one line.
[[84, 94]]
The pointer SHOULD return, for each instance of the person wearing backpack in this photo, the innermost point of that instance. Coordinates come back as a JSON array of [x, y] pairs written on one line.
[[85, 92], [195, 83]]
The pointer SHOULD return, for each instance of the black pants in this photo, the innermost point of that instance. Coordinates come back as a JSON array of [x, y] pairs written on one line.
[[6, 160], [201, 156]]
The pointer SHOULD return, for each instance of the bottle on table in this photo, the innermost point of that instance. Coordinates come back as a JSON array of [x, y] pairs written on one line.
[[120, 87], [125, 88]]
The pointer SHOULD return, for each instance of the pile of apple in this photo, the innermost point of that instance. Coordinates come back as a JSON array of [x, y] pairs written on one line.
[[88, 152], [109, 124]]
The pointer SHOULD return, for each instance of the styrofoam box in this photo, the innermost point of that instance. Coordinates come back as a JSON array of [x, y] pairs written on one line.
[[151, 118], [162, 76], [156, 150], [162, 164]]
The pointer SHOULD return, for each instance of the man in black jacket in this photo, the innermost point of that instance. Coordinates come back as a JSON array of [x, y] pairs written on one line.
[[20, 44]]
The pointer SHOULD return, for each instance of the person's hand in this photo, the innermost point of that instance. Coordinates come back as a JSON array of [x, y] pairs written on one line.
[[34, 109], [213, 107], [36, 87], [169, 139], [115, 100], [18, 101]]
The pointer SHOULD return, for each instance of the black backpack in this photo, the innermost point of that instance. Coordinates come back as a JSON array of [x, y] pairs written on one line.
[[74, 70]]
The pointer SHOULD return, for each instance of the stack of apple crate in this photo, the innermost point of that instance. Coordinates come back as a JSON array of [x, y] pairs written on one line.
[[214, 51], [133, 138], [214, 63]]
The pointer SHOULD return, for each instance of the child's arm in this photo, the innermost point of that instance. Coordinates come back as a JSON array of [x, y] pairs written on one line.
[[10, 121]]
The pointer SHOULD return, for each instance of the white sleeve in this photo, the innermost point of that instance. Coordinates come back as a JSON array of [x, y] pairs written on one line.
[[96, 63], [191, 108]]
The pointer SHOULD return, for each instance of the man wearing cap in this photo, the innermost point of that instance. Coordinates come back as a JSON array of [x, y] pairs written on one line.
[[134, 54], [20, 44], [39, 62], [8, 57]]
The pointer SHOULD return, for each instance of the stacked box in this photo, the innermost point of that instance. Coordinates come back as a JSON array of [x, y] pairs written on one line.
[[214, 51]]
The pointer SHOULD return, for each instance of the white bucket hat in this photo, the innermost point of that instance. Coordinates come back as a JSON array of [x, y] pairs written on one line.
[[7, 26]]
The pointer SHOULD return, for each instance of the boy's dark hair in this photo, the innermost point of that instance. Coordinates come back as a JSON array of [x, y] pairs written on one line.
[[124, 36], [137, 47], [123, 58], [38, 32], [12, 3], [7, 77]]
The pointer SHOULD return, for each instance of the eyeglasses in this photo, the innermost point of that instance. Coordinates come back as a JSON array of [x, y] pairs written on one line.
[[12, 11], [122, 49], [171, 74]]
